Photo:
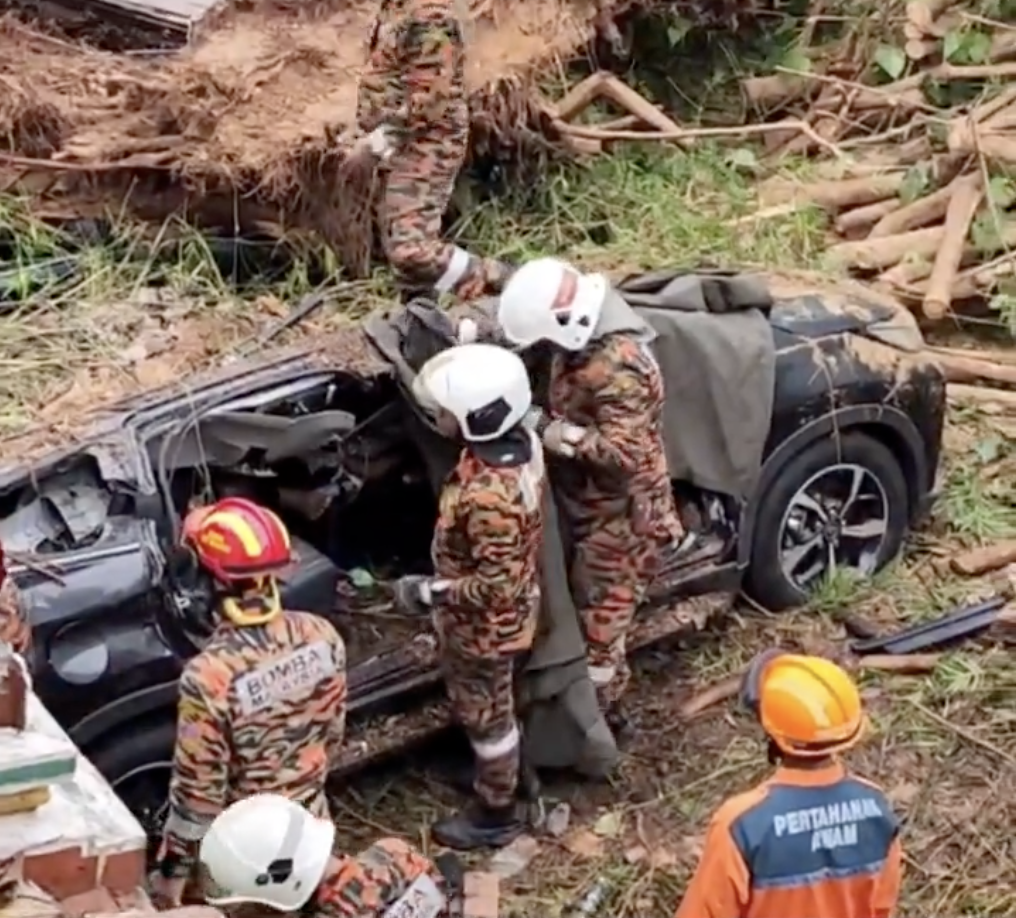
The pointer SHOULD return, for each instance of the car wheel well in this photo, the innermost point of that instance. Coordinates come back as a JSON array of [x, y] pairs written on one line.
[[897, 445], [128, 745]]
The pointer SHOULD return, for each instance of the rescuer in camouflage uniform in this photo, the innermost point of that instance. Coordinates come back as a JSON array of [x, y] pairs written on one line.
[[413, 113], [14, 628], [485, 595], [604, 426], [262, 707], [267, 850]]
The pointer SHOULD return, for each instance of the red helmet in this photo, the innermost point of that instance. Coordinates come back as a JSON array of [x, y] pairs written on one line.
[[237, 539]]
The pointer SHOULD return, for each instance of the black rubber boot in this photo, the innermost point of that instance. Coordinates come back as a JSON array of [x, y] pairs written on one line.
[[622, 728], [478, 826]]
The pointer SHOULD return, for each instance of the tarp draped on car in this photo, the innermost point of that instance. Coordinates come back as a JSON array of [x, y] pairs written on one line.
[[716, 350]]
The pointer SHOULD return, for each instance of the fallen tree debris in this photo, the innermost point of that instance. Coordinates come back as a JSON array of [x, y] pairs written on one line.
[[966, 196], [987, 558], [982, 396], [915, 664], [941, 208]]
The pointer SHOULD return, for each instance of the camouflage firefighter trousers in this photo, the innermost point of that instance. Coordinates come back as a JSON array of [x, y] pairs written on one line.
[[482, 694], [611, 572], [418, 188]]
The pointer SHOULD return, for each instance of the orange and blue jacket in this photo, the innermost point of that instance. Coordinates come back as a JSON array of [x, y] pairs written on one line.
[[804, 844]]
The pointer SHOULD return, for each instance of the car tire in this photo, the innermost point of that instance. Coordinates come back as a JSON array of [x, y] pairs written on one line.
[[137, 762], [767, 581]]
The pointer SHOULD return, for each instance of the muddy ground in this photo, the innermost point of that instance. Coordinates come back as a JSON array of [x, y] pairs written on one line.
[[944, 752], [943, 744]]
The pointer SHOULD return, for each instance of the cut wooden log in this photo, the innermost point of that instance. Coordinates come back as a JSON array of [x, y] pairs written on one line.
[[915, 215], [971, 369], [987, 558], [863, 218], [885, 251], [906, 273], [917, 49], [846, 193], [982, 397], [966, 197], [922, 13], [995, 356]]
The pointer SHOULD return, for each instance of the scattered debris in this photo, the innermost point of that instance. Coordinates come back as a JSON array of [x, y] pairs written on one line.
[[731, 688], [516, 857], [920, 189], [584, 843], [987, 558], [953, 626], [591, 903], [558, 820], [481, 894], [609, 825]]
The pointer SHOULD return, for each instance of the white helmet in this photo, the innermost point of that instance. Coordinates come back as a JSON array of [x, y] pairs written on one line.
[[485, 387], [265, 849], [548, 299]]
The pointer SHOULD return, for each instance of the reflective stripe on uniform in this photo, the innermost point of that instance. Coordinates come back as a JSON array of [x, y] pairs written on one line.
[[494, 749], [456, 270], [601, 675], [184, 828]]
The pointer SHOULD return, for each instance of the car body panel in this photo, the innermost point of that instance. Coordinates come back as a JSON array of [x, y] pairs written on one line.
[[829, 376]]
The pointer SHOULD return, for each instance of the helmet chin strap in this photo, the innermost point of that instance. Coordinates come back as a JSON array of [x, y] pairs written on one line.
[[253, 606]]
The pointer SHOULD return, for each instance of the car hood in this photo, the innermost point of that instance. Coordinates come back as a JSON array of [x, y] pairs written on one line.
[[813, 307]]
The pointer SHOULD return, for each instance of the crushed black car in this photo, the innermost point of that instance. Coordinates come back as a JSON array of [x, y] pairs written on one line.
[[804, 434]]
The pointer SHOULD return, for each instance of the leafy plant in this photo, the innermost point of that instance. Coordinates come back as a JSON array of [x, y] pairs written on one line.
[[966, 46], [891, 61]]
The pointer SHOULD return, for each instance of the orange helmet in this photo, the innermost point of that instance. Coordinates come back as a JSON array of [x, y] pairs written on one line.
[[237, 539], [809, 706]]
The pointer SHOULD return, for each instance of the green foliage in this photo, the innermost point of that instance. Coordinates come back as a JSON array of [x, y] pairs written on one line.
[[916, 183], [968, 45], [891, 61]]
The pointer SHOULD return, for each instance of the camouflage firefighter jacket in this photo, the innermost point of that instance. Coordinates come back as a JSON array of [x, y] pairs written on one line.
[[486, 547], [261, 710]]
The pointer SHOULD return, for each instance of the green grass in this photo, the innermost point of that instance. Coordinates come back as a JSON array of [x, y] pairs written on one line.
[[646, 208], [86, 334]]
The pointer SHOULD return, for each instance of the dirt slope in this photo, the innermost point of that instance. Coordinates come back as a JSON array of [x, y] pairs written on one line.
[[254, 105]]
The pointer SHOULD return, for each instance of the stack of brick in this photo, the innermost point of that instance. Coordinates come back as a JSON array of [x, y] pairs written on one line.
[[68, 845]]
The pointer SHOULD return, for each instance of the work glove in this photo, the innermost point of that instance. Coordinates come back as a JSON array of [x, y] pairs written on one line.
[[415, 593], [468, 332], [535, 419], [378, 143], [562, 437]]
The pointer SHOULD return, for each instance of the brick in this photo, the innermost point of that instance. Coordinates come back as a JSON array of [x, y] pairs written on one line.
[[123, 872], [62, 873], [95, 901], [482, 894]]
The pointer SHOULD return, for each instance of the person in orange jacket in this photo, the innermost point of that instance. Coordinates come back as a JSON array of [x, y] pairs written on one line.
[[813, 840]]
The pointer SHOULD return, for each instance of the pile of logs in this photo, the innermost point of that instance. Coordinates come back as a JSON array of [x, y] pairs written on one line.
[[922, 197], [982, 378]]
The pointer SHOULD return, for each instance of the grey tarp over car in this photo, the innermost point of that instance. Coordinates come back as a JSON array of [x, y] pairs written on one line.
[[716, 350]]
